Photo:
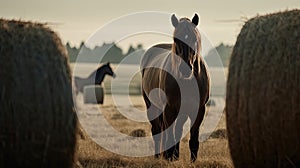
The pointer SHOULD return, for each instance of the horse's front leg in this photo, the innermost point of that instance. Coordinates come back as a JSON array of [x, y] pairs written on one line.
[[169, 117], [194, 134], [181, 119], [155, 128], [156, 135], [154, 115]]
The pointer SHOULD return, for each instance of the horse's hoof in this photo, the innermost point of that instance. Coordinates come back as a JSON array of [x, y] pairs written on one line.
[[193, 159], [171, 158], [176, 155], [175, 158], [168, 157]]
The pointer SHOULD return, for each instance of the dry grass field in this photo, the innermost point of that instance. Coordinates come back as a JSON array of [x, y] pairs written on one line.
[[213, 152]]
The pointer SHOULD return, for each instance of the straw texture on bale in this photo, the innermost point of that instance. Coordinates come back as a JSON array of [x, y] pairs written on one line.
[[93, 94], [263, 92], [37, 119]]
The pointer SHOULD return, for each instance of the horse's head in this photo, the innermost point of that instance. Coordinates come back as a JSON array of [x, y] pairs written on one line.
[[187, 45], [102, 71]]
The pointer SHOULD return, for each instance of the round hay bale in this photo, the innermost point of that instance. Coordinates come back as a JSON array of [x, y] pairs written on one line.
[[263, 92], [93, 94], [37, 120], [138, 133]]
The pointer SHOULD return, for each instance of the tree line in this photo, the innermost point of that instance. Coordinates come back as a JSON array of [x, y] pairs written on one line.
[[111, 52], [108, 52]]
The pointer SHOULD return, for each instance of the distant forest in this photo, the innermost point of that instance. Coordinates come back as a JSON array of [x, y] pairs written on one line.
[[110, 52], [212, 58]]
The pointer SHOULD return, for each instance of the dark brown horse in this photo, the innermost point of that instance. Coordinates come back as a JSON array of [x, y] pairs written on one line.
[[95, 77], [175, 84]]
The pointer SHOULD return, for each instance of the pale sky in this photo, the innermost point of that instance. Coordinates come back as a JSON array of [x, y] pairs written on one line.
[[77, 20]]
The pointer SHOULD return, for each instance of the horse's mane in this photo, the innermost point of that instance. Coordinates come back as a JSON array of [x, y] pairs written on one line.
[[99, 69], [179, 34]]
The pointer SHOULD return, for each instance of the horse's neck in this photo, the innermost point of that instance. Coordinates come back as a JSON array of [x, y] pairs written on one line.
[[92, 77], [102, 75]]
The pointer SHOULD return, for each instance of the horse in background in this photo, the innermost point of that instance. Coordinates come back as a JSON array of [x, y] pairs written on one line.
[[95, 77], [168, 72]]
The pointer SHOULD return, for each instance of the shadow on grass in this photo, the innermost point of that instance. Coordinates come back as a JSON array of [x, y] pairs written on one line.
[[153, 163], [212, 163], [104, 162], [118, 162]]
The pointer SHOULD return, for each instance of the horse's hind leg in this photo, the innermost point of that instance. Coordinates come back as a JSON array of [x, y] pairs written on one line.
[[194, 134]]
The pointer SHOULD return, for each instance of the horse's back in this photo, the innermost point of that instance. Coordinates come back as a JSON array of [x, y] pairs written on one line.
[[154, 55]]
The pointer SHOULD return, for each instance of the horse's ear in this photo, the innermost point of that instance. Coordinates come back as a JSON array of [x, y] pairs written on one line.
[[195, 19], [107, 63], [174, 20]]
